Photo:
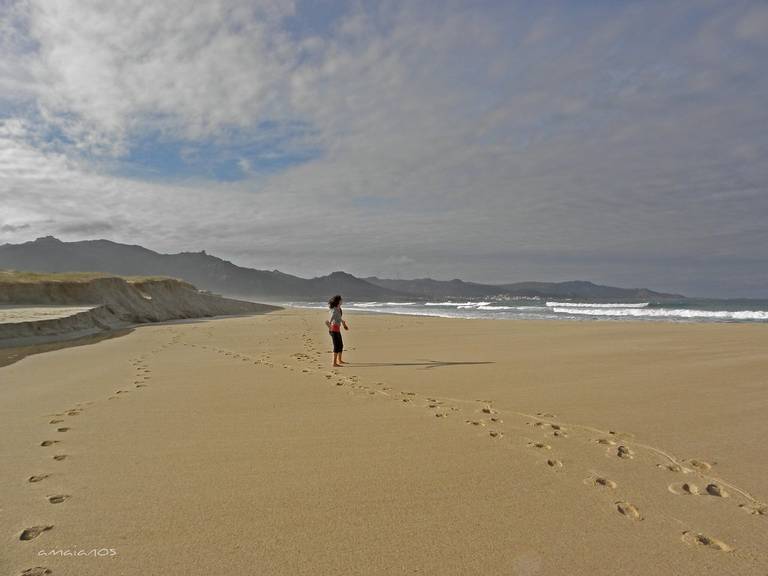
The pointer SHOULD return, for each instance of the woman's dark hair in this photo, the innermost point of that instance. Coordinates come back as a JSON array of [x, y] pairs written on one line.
[[335, 301]]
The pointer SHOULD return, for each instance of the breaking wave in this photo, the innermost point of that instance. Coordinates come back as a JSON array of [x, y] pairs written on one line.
[[597, 305], [698, 311], [671, 314]]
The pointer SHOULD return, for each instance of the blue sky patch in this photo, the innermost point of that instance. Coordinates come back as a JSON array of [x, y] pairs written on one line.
[[238, 155]]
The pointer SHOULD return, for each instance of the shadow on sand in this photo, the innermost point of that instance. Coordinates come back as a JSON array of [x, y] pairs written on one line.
[[425, 364]]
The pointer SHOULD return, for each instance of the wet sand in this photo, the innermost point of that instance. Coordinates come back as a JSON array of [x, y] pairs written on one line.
[[447, 447], [9, 355]]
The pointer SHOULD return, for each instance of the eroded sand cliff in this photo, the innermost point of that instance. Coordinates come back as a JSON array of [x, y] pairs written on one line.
[[116, 302]]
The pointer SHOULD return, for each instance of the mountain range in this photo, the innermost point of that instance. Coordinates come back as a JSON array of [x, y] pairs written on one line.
[[49, 254]]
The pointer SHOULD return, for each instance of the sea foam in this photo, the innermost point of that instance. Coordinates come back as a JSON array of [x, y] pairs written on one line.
[[671, 313]]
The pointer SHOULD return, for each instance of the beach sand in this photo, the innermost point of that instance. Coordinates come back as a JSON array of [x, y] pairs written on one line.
[[228, 446]]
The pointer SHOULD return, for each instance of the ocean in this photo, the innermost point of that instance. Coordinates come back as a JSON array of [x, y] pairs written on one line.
[[689, 310]]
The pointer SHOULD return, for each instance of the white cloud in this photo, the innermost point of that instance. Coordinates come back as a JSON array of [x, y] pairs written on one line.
[[108, 71], [497, 143]]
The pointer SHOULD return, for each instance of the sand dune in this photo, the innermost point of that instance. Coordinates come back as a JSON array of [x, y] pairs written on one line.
[[111, 303], [448, 447]]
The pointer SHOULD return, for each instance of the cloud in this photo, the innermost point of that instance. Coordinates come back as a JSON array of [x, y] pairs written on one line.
[[87, 228], [498, 143], [13, 227], [190, 69]]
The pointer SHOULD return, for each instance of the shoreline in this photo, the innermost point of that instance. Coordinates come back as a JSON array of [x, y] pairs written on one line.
[[586, 320], [10, 353]]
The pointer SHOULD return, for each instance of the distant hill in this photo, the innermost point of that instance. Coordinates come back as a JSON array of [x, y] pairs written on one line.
[[208, 272], [429, 288], [586, 290]]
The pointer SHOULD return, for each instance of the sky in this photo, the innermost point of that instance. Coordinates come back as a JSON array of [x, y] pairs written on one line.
[[622, 142]]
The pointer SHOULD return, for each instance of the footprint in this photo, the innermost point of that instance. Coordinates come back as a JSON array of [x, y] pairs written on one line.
[[672, 467], [700, 464], [716, 490], [495, 434], [58, 498], [540, 445], [628, 510], [59, 457], [601, 482], [48, 442], [37, 478], [624, 452], [73, 413], [554, 463], [56, 421], [698, 539], [605, 441], [63, 429], [755, 509], [34, 532], [545, 415], [684, 488], [36, 571]]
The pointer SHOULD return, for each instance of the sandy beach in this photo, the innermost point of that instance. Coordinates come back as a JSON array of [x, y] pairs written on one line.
[[229, 446]]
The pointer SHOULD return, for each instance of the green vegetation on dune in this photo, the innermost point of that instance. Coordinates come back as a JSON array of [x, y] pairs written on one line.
[[21, 277]]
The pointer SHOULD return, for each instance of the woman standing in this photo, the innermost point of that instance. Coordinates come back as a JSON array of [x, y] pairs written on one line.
[[334, 328]]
